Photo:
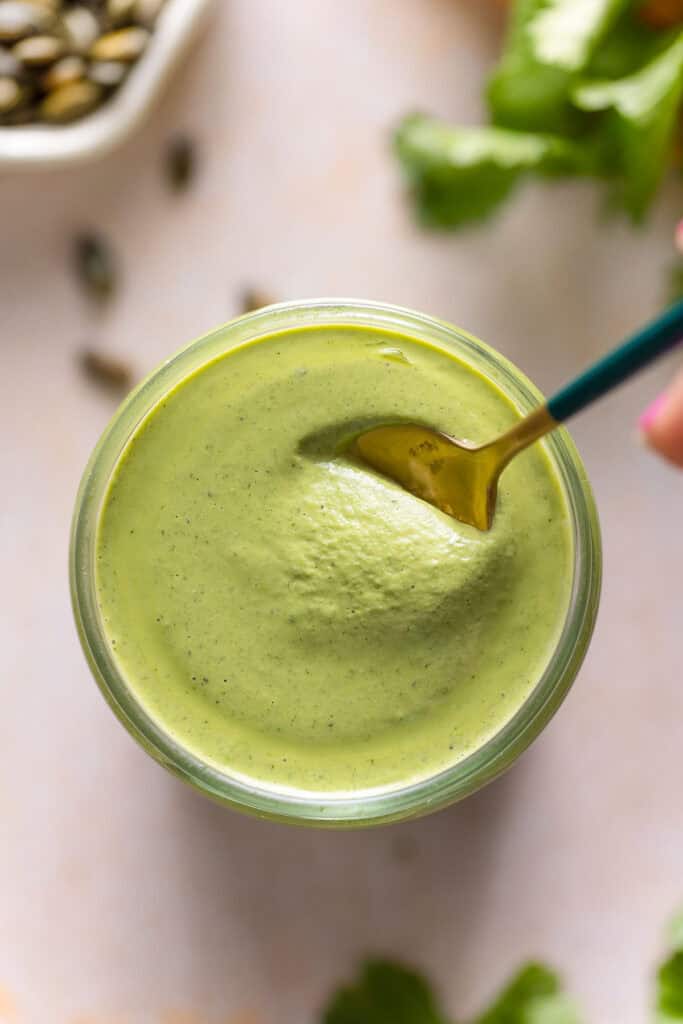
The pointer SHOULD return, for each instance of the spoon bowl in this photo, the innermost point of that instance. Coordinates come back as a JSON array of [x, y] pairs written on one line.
[[457, 478], [462, 480]]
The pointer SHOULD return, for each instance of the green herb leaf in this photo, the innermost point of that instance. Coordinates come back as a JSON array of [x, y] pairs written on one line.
[[549, 43], [670, 990], [625, 48], [460, 175], [532, 991], [642, 111], [386, 993], [564, 33], [558, 1009]]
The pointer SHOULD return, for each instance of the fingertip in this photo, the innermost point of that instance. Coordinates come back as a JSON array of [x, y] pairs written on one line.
[[647, 419], [661, 424]]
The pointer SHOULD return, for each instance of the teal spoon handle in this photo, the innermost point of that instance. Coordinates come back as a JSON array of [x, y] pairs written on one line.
[[642, 348]]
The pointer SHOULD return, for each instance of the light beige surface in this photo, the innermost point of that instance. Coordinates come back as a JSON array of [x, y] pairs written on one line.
[[126, 898]]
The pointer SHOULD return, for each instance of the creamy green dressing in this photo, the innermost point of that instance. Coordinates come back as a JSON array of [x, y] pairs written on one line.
[[292, 617]]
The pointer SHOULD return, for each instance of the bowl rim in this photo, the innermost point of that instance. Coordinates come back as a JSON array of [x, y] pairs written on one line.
[[369, 806]]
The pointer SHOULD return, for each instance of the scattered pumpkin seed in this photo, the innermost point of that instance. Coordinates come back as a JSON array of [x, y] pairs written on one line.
[[125, 44], [105, 370], [67, 102], [254, 298], [95, 266], [38, 50], [180, 162]]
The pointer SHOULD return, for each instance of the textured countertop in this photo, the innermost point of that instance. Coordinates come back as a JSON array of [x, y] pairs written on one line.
[[125, 898]]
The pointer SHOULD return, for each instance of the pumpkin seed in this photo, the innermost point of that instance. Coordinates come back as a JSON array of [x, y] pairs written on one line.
[[10, 95], [81, 28], [23, 114], [95, 266], [70, 101], [119, 11], [66, 56], [125, 44], [68, 69], [180, 162], [254, 298], [105, 370], [107, 73], [19, 18], [38, 50]]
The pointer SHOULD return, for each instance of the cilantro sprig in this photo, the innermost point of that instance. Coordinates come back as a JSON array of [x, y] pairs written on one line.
[[389, 993], [582, 88]]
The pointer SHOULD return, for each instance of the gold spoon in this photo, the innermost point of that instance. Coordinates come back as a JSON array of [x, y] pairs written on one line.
[[462, 480]]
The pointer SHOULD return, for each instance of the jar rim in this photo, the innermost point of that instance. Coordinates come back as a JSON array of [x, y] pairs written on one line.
[[368, 806]]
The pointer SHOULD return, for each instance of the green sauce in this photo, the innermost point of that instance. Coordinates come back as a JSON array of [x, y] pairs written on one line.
[[291, 617]]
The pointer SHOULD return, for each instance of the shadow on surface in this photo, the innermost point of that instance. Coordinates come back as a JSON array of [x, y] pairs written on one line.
[[414, 890]]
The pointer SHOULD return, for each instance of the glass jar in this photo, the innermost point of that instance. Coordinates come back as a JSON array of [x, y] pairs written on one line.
[[330, 809]]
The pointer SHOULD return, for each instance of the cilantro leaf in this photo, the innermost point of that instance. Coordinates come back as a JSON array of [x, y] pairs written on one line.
[[386, 993], [558, 1009], [669, 993], [670, 989], [461, 174], [564, 33], [549, 43], [583, 87], [524, 996], [638, 136], [625, 48]]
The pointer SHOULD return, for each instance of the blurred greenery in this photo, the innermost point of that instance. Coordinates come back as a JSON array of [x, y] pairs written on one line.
[[580, 89], [385, 993], [390, 993], [461, 174]]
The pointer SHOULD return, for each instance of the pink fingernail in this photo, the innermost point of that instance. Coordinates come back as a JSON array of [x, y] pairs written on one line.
[[648, 418]]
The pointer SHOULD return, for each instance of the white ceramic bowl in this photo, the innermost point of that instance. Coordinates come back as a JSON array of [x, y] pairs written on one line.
[[93, 135]]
